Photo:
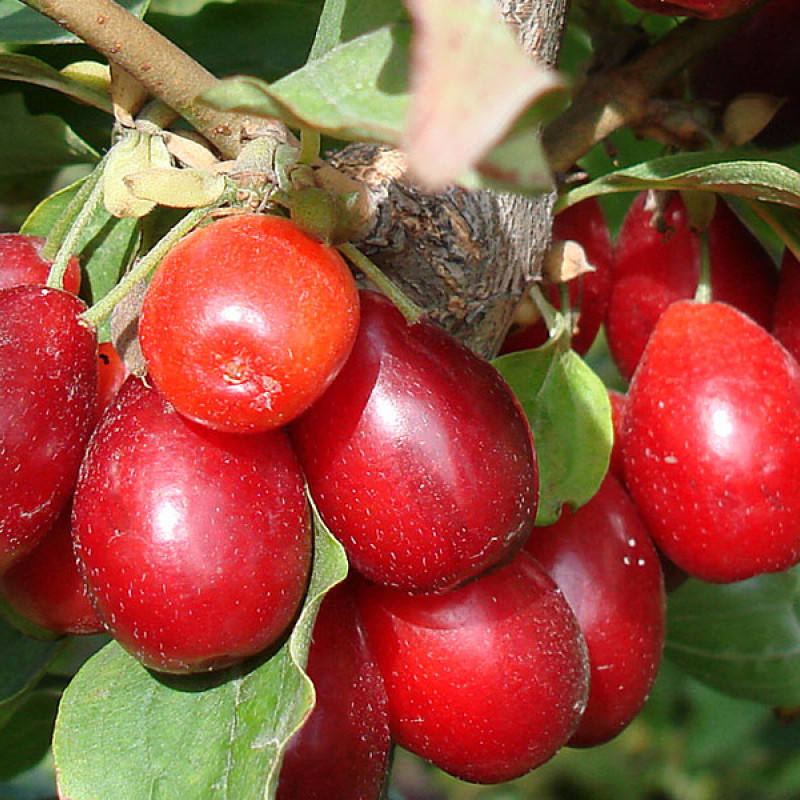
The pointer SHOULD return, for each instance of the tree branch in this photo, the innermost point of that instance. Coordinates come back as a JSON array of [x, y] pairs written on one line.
[[166, 71], [618, 97]]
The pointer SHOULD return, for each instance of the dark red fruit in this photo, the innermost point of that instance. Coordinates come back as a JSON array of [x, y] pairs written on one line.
[[195, 545], [759, 56], [486, 681], [706, 9], [247, 321], [46, 586], [619, 403], [712, 444], [585, 224], [602, 558], [653, 269], [21, 263], [786, 318], [418, 456], [48, 388], [342, 750]]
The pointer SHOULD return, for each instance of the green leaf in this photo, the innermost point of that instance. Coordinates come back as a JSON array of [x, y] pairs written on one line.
[[22, 25], [124, 733], [742, 173], [742, 639], [23, 662], [33, 144], [570, 416], [357, 91], [25, 736], [267, 39], [106, 247], [518, 163], [343, 20], [17, 67]]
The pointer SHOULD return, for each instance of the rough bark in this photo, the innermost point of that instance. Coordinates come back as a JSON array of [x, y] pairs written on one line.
[[466, 257]]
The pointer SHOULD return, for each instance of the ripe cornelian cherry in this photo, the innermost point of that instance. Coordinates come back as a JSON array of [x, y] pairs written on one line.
[[418, 457], [195, 545], [711, 444], [21, 263], [246, 322], [487, 681], [48, 392], [603, 559], [655, 267], [46, 585]]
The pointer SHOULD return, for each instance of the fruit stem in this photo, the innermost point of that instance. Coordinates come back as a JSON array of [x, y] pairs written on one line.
[[65, 222], [144, 266], [309, 146], [703, 293], [69, 246], [407, 307]]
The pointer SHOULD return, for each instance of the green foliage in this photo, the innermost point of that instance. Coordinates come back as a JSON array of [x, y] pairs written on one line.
[[570, 416], [743, 639]]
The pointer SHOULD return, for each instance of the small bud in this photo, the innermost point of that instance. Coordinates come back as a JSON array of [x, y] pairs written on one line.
[[748, 114]]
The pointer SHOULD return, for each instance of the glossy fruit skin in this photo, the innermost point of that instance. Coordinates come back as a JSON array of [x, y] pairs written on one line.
[[711, 444], [418, 457], [786, 317], [759, 56], [486, 681], [705, 9], [21, 263], [604, 561], [653, 269], [247, 321], [342, 750], [195, 545], [585, 224], [48, 388], [46, 587]]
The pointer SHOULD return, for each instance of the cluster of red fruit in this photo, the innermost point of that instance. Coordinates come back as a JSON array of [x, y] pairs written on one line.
[[456, 635], [708, 434]]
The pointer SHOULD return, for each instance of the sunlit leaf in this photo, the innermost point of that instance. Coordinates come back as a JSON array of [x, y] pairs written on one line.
[[570, 416]]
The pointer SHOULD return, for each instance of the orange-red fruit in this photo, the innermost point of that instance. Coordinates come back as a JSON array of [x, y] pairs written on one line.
[[246, 322], [21, 263]]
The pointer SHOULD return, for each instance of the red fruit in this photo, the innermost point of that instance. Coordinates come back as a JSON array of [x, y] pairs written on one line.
[[247, 321], [48, 388], [712, 444], [112, 374], [706, 9], [759, 56], [46, 586], [418, 456], [602, 558], [342, 750], [619, 403], [486, 681], [585, 224], [195, 545], [786, 318], [21, 263], [653, 269]]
